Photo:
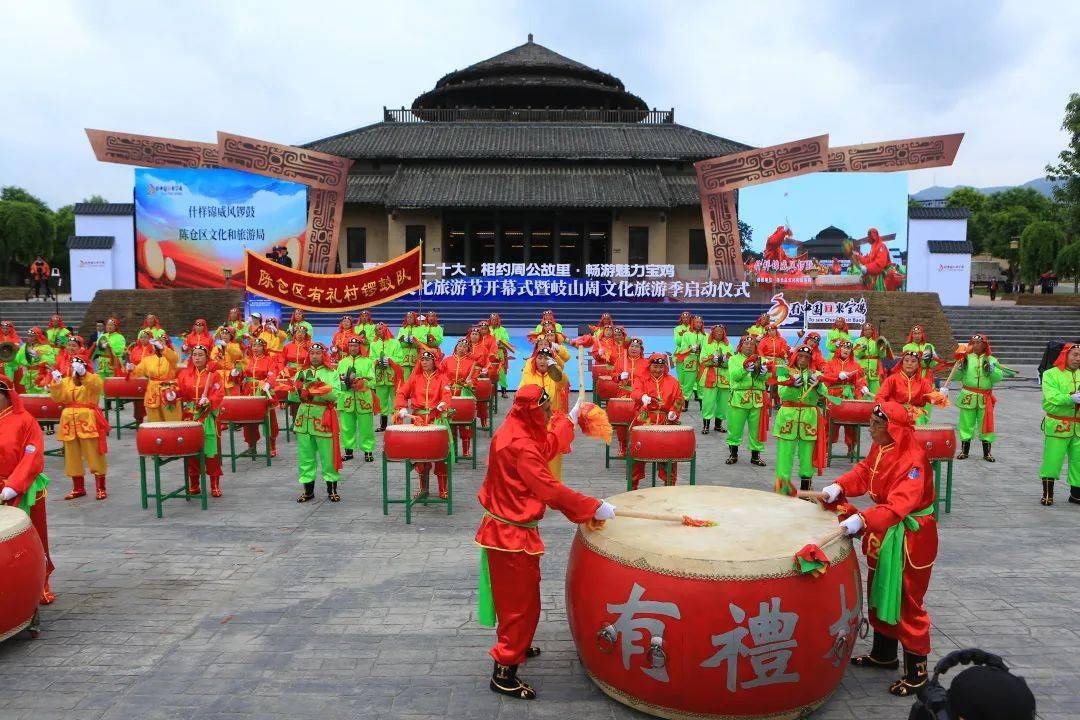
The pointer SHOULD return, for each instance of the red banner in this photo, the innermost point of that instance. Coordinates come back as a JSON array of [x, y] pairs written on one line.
[[334, 293]]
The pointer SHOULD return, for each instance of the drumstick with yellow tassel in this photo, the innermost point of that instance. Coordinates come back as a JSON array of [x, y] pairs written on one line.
[[592, 419], [663, 517]]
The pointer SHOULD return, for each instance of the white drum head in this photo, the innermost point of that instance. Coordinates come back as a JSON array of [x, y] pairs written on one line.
[[13, 522]]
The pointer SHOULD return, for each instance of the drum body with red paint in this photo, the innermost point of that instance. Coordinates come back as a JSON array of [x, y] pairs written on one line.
[[419, 443], [607, 387], [690, 622], [42, 407], [464, 409], [243, 408], [620, 411], [662, 442], [851, 412], [124, 388], [169, 439], [939, 441], [482, 389], [22, 567]]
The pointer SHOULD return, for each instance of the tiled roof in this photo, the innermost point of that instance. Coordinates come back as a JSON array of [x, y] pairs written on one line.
[[369, 188], [104, 208], [938, 213], [949, 247], [525, 140], [90, 242]]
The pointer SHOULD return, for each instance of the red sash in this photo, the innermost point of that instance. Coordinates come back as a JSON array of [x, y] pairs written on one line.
[[330, 420], [991, 400], [103, 428]]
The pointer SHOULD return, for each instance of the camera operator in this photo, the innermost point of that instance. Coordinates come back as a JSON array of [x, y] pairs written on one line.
[[39, 278], [986, 691]]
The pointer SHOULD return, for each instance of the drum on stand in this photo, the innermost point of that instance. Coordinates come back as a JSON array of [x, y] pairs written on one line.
[[243, 409], [851, 412], [416, 443], [713, 622], [620, 411], [124, 388], [22, 567], [42, 407], [482, 389], [939, 441], [663, 443], [607, 387], [169, 439], [464, 410]]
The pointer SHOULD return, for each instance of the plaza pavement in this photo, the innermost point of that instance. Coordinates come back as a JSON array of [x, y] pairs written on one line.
[[264, 608]]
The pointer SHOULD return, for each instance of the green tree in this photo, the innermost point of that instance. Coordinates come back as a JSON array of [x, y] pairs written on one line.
[[1067, 264], [1066, 171], [1003, 228], [12, 193], [978, 227], [1040, 243], [26, 231], [64, 221], [96, 199]]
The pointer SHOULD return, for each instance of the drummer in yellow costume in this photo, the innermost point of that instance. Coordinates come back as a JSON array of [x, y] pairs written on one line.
[[161, 400], [228, 356], [543, 369], [83, 428]]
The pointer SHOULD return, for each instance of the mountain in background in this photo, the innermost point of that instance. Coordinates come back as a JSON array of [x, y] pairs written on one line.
[[1042, 185]]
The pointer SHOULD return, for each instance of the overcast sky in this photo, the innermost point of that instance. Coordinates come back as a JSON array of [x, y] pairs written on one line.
[[759, 72]]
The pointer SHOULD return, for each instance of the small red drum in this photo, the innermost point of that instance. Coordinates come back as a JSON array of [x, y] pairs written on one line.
[[42, 407], [464, 410], [662, 442], [851, 412], [281, 395], [607, 387], [243, 408], [713, 622], [169, 439], [601, 369], [22, 565], [620, 411], [939, 441], [419, 443], [482, 389], [123, 388]]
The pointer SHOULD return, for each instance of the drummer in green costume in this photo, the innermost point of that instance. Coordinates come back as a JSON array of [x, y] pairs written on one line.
[[297, 321], [318, 437], [502, 337], [32, 354], [365, 326], [1061, 426], [687, 356], [429, 330], [109, 350], [980, 371], [385, 351], [357, 401], [747, 375], [838, 333], [713, 383], [870, 350], [799, 422]]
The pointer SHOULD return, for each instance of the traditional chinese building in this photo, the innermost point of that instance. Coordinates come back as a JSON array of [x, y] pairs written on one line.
[[526, 157]]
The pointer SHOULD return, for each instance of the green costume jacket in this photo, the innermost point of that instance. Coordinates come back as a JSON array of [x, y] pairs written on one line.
[[747, 391], [973, 375], [357, 401], [390, 350], [436, 331], [58, 337], [309, 414], [44, 354], [409, 351], [756, 330], [100, 356], [1057, 388], [714, 373], [835, 337], [365, 329], [797, 423], [304, 324], [922, 348], [687, 341], [868, 353]]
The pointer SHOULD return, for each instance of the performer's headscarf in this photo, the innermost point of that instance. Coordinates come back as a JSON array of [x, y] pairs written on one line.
[[382, 332], [342, 321], [39, 336], [899, 367], [1063, 356], [981, 337], [840, 323], [911, 333], [56, 322], [874, 235], [526, 418], [7, 386], [901, 425], [723, 334], [495, 320]]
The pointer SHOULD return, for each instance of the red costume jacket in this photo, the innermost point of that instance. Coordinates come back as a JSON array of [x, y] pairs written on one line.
[[460, 372], [836, 386], [258, 370], [636, 368], [22, 450], [193, 384], [423, 391], [773, 346], [193, 338], [875, 261], [665, 395], [908, 391], [485, 354], [297, 354]]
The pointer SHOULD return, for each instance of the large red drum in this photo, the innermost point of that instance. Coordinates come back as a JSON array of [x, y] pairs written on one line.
[[662, 442], [243, 408], [600, 369], [851, 412], [42, 407], [939, 441], [464, 409], [22, 566], [685, 622], [620, 411], [607, 387], [169, 439], [124, 388], [482, 389], [419, 443]]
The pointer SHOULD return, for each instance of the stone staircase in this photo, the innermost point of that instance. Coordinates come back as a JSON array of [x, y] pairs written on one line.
[[25, 315], [1018, 335]]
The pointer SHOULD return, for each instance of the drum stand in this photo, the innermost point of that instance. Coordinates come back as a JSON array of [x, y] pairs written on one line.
[[117, 404], [668, 464], [408, 501], [55, 452], [265, 424], [858, 442], [936, 465], [158, 495], [454, 438], [615, 439]]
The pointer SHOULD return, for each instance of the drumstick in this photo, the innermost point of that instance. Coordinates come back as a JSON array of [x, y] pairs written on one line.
[[836, 534], [811, 495], [663, 517]]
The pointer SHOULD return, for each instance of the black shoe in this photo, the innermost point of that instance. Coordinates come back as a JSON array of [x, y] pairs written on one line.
[[382, 424], [705, 426], [331, 492], [965, 449], [882, 656], [532, 652], [369, 457], [308, 494], [1074, 495], [504, 680], [914, 676], [347, 456], [755, 458], [805, 483], [733, 455], [720, 426], [986, 452], [1048, 492]]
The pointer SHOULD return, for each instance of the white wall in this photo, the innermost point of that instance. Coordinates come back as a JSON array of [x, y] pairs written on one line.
[[947, 275], [122, 228], [91, 270]]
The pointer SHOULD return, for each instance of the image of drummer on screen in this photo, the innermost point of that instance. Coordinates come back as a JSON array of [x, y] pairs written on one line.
[[899, 539], [659, 399], [517, 489]]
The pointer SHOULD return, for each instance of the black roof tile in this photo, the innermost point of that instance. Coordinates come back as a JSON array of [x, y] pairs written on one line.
[[90, 242], [104, 208], [949, 247], [938, 213]]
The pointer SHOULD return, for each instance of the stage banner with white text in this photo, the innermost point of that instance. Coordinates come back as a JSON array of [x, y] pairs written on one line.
[[334, 293]]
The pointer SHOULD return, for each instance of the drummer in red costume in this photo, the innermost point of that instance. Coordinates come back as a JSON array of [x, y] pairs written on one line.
[[774, 244], [908, 385], [516, 491], [201, 391], [22, 462], [260, 373], [843, 376], [460, 371], [425, 395], [773, 346], [484, 352], [199, 335], [899, 540], [659, 399]]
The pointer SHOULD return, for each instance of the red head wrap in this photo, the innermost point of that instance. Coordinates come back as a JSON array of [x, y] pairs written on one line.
[[1063, 356]]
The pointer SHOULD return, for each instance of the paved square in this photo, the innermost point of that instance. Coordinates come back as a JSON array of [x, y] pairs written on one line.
[[264, 608]]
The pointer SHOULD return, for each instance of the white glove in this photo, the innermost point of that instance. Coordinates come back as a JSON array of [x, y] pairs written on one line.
[[9, 493], [672, 416], [402, 413], [130, 367], [56, 376], [1075, 397], [158, 344], [927, 355], [624, 375], [763, 370], [606, 511], [865, 390], [170, 396], [266, 388], [645, 399], [853, 525], [797, 382], [235, 372], [78, 368], [441, 407], [204, 400], [575, 412], [832, 492], [843, 375]]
